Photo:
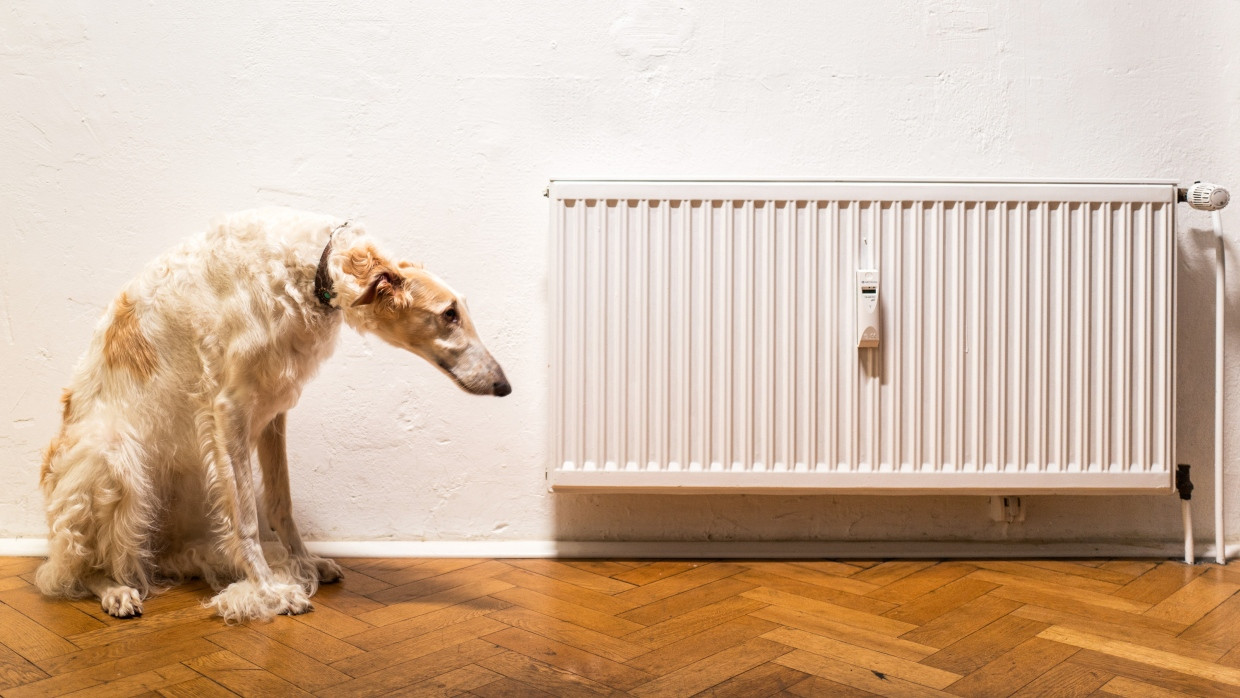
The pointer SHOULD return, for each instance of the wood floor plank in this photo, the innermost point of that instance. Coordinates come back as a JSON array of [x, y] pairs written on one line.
[[428, 643], [767, 679], [1101, 572], [693, 622], [1095, 598], [922, 582], [1066, 680], [306, 640], [543, 676], [201, 687], [1137, 634], [188, 613], [467, 592], [979, 648], [1191, 602], [857, 677], [58, 617], [508, 688], [1144, 655], [961, 621], [1219, 629], [615, 649], [685, 601], [1155, 675], [681, 653], [328, 620], [435, 584], [816, 686], [866, 658], [1050, 576], [592, 666], [846, 599], [420, 625], [565, 591], [942, 600], [243, 677], [713, 670], [572, 575], [839, 614], [819, 625], [453, 683], [890, 571], [803, 572], [7, 583], [136, 684], [1014, 669], [616, 626], [135, 663], [679, 583], [1131, 688], [397, 677], [16, 670], [1159, 582], [297, 668], [130, 644], [29, 639], [654, 571]]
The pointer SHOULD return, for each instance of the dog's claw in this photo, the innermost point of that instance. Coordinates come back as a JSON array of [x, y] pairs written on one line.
[[122, 602]]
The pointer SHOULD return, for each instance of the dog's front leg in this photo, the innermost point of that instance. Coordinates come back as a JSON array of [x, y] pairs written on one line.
[[278, 507], [258, 595]]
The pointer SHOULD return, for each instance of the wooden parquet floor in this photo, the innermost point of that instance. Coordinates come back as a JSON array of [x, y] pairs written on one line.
[[658, 628]]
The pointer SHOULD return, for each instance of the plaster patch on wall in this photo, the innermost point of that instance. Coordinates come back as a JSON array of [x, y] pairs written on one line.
[[648, 33]]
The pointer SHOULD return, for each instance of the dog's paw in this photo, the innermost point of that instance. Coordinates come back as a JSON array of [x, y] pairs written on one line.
[[329, 572], [246, 600], [294, 602], [121, 602]]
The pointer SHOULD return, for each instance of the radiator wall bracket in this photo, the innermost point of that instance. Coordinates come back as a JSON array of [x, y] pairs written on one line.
[[1007, 509]]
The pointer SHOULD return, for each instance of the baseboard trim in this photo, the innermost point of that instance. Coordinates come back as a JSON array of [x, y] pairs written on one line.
[[754, 550]]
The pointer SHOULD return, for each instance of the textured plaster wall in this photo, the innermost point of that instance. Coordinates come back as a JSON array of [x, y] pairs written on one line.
[[127, 125]]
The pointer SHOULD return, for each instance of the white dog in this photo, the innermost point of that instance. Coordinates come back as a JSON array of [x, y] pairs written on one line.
[[189, 373]]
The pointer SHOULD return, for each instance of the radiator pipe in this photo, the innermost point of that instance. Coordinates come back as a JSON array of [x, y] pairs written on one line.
[[1210, 197], [1184, 485], [1220, 313]]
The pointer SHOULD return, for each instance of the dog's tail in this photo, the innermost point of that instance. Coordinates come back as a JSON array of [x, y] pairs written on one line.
[[100, 516]]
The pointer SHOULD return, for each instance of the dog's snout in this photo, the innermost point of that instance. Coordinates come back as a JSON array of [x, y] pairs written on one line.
[[501, 388]]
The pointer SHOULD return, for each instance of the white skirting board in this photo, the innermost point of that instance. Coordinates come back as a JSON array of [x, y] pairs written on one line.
[[714, 549]]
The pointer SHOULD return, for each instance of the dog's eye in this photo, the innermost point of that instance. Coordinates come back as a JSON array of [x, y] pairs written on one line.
[[451, 317]]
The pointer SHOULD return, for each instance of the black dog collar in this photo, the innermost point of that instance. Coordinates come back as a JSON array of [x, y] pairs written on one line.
[[322, 279]]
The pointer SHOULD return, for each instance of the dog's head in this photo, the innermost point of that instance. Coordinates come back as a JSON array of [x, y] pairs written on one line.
[[413, 309]]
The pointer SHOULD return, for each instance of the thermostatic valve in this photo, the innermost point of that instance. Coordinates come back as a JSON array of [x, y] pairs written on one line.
[[867, 308]]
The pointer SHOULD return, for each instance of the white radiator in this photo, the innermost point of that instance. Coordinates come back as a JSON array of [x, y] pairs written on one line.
[[706, 337]]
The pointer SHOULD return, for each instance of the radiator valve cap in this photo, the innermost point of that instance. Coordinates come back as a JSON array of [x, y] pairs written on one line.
[[1207, 197]]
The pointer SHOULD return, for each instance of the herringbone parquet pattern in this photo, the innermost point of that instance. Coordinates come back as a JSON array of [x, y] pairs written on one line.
[[642, 628]]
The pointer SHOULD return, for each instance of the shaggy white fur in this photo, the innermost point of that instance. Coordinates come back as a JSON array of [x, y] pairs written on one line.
[[189, 374]]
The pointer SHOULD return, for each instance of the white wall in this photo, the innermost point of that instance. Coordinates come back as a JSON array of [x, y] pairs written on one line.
[[127, 125]]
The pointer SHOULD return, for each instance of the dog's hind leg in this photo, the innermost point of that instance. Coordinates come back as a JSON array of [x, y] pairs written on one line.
[[308, 569], [230, 487], [100, 516]]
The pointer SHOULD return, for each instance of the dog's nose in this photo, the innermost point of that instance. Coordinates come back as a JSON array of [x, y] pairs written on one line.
[[501, 388]]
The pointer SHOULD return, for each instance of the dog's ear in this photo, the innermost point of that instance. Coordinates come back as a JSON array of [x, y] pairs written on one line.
[[384, 283]]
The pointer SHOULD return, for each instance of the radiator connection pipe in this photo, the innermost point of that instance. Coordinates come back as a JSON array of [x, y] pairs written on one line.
[[1184, 485], [1209, 197]]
